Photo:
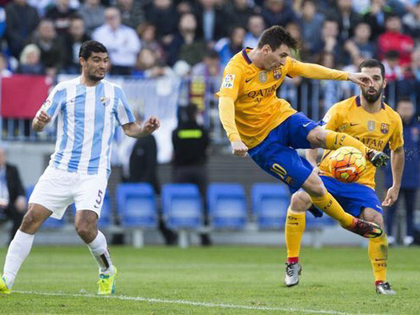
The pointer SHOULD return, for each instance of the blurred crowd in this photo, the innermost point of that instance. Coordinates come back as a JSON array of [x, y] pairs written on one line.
[[153, 38]]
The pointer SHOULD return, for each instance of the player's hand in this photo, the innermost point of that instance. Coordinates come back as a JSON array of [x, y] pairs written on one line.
[[239, 148], [391, 196], [361, 79], [43, 118], [151, 125]]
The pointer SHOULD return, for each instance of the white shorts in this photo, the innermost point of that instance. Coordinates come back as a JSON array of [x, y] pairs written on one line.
[[57, 189]]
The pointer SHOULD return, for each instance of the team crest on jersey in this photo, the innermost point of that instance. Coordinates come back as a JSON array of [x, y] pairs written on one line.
[[105, 101], [228, 81], [371, 125], [277, 73], [384, 128], [262, 77]]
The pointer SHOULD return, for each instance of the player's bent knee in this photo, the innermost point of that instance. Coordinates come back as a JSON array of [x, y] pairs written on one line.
[[314, 186], [300, 202], [87, 231]]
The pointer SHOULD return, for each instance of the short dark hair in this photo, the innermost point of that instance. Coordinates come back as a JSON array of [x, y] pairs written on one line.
[[373, 63], [89, 47], [275, 36]]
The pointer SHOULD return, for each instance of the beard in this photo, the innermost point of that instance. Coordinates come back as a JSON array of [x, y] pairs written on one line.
[[372, 98], [95, 78]]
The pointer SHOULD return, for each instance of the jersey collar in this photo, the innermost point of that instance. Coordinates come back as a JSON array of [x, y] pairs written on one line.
[[358, 103], [245, 55]]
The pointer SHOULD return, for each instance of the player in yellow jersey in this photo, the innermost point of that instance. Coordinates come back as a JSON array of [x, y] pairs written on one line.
[[270, 130], [376, 124]]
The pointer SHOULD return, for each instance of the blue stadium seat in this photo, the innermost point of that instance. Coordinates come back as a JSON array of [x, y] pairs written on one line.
[[50, 223], [136, 205], [270, 203], [106, 213], [182, 206], [227, 206]]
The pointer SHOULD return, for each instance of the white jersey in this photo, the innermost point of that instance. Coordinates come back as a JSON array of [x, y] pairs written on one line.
[[87, 118]]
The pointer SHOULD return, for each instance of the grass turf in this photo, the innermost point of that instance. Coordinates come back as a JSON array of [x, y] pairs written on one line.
[[334, 280]]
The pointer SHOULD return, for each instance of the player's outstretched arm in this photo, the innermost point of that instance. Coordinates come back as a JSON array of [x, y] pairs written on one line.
[[40, 121], [134, 130], [397, 167]]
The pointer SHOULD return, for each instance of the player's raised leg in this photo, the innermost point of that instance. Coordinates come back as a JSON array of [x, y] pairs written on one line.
[[21, 245], [86, 227], [378, 252], [328, 139]]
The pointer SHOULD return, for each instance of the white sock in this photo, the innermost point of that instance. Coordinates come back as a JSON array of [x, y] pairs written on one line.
[[99, 249], [18, 251]]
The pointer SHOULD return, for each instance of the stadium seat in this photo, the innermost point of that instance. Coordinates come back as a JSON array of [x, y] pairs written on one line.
[[227, 206], [270, 203], [106, 213], [182, 206], [50, 223], [136, 206], [182, 210]]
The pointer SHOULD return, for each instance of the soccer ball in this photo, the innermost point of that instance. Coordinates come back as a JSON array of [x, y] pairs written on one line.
[[347, 164]]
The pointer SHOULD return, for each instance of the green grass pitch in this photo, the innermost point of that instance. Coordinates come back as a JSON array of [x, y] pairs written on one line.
[[216, 280]]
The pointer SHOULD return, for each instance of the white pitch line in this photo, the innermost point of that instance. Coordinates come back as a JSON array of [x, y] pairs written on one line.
[[184, 302]]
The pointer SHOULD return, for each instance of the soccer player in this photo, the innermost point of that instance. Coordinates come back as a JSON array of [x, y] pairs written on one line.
[[369, 119], [87, 109], [269, 129]]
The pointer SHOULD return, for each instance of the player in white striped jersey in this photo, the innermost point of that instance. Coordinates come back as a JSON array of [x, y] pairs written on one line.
[[88, 109]]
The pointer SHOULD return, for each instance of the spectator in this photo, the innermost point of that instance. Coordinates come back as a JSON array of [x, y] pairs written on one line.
[[232, 46], [329, 92], [360, 44], [347, 18], [61, 14], [2, 22], [412, 22], [147, 34], [375, 17], [121, 41], [410, 179], [329, 41], [131, 12], [163, 15], [93, 14], [394, 40], [12, 195], [277, 12], [148, 65], [211, 21], [50, 45], [4, 71], [139, 160], [239, 13], [311, 23], [303, 53], [255, 28], [30, 61], [185, 45], [393, 70], [190, 142], [209, 67], [21, 21], [41, 5], [72, 43]]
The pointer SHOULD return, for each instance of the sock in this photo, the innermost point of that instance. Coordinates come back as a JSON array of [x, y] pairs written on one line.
[[19, 249], [330, 206], [295, 226], [337, 140], [99, 249], [378, 254]]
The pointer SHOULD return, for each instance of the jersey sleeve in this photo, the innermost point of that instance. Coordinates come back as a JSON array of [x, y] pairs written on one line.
[[123, 112], [232, 82], [397, 139], [52, 104], [331, 120], [313, 71]]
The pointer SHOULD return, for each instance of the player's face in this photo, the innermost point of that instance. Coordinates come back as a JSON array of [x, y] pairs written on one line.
[[375, 89], [276, 58], [95, 66]]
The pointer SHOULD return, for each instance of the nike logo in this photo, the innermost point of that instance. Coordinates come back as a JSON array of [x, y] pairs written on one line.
[[351, 168], [95, 206], [306, 125], [247, 80], [380, 259], [353, 124]]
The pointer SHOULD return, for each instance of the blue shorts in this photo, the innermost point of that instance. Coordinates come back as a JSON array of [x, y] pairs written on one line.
[[352, 197], [277, 155]]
